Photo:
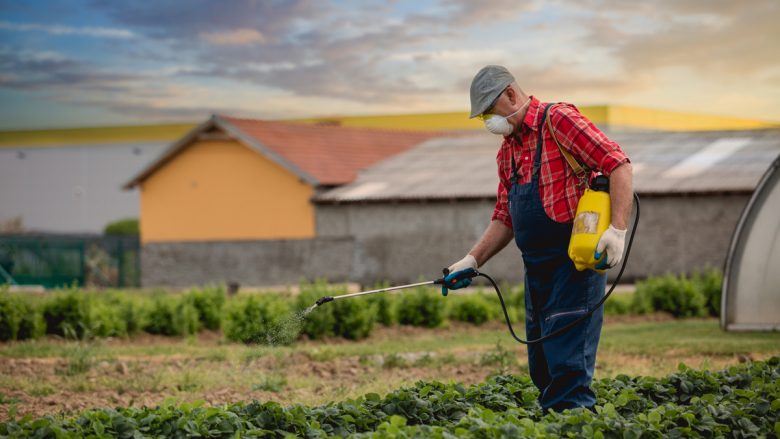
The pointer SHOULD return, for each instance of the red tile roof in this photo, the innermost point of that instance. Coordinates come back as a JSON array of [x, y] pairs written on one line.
[[333, 155]]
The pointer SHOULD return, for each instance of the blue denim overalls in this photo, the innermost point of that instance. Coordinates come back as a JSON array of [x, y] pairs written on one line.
[[555, 294]]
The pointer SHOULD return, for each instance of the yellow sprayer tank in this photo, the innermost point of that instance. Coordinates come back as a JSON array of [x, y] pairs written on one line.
[[592, 219]]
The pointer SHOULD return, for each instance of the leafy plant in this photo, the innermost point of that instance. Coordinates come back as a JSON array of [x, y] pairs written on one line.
[[504, 360], [80, 354], [208, 302], [171, 315], [421, 307], [394, 361], [19, 319], [618, 304], [740, 401], [71, 309], [353, 319], [673, 294], [255, 318], [274, 384], [472, 308], [386, 306], [709, 283], [123, 227], [321, 322]]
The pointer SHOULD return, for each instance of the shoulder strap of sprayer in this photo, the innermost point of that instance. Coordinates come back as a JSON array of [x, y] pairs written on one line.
[[581, 172]]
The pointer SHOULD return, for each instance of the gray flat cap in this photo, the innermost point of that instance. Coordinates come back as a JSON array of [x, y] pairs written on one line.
[[486, 86]]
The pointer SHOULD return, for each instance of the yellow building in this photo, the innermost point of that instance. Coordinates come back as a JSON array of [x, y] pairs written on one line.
[[242, 179]]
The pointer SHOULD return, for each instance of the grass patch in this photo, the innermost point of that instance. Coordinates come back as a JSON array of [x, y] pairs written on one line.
[[41, 390], [209, 369], [394, 361], [273, 383], [502, 359], [4, 399]]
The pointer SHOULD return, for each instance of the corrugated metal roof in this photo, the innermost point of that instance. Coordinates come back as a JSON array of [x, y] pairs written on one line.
[[664, 162]]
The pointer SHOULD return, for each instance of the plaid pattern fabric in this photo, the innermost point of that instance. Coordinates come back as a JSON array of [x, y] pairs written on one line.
[[558, 185]]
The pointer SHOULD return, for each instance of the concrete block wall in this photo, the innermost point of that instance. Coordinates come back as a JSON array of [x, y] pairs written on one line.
[[255, 263], [407, 242], [403, 241]]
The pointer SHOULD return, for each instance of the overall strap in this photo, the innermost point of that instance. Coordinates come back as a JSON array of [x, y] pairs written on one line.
[[540, 144], [514, 177]]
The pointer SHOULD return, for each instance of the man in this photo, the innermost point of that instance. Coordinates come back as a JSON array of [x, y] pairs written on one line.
[[536, 202]]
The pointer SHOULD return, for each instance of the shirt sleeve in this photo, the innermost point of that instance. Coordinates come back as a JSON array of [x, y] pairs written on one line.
[[501, 211], [585, 141]]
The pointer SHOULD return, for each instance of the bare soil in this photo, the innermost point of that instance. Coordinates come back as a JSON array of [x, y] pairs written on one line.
[[299, 374]]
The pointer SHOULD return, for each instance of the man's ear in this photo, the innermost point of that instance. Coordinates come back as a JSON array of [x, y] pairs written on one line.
[[511, 94]]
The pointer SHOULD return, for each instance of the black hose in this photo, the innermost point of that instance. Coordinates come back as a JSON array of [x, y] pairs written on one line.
[[590, 311]]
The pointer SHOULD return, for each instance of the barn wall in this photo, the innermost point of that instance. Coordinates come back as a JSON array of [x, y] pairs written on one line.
[[256, 263], [407, 242]]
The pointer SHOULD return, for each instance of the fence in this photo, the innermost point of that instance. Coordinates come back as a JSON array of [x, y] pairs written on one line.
[[63, 260]]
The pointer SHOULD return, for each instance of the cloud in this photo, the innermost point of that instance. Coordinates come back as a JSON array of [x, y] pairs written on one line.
[[470, 12], [236, 37], [98, 32], [354, 56], [309, 48], [46, 70], [715, 38], [182, 22]]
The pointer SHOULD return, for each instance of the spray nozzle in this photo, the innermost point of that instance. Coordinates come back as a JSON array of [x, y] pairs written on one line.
[[325, 299]]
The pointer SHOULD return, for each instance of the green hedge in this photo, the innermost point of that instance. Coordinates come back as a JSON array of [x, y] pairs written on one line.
[[123, 227], [421, 307], [172, 315], [473, 308], [208, 303], [697, 295], [19, 319], [257, 319], [386, 306], [279, 318]]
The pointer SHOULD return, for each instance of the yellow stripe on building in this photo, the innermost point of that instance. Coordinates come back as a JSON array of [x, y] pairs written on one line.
[[96, 135], [617, 117], [646, 118], [421, 122]]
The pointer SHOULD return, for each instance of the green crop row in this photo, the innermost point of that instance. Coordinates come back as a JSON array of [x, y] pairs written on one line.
[[273, 318], [279, 318], [697, 295], [740, 402]]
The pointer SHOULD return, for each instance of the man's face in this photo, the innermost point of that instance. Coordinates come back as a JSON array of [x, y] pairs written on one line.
[[506, 103]]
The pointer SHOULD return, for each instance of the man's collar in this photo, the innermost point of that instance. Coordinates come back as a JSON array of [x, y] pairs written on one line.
[[531, 119]]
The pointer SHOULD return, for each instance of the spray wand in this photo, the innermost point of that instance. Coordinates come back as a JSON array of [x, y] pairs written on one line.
[[475, 273], [327, 299]]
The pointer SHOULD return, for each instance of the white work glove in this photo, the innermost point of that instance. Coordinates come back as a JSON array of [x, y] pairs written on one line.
[[467, 262], [613, 240], [458, 276]]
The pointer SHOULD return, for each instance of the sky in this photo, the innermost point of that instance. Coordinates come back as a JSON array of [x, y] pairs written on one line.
[[74, 63]]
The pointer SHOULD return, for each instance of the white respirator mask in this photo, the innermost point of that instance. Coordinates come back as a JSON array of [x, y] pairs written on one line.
[[499, 125]]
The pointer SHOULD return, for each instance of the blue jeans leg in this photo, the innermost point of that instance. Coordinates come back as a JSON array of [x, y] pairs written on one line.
[[571, 356], [537, 363]]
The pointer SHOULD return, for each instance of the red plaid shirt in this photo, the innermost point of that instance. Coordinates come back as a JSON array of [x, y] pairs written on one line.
[[558, 186]]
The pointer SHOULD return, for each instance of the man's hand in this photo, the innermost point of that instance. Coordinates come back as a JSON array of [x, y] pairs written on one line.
[[613, 240], [456, 270]]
